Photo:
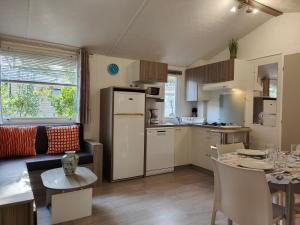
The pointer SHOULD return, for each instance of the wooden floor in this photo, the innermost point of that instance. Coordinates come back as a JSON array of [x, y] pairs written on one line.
[[180, 198]]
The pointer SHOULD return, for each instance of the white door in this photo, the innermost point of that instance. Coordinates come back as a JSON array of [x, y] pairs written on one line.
[[128, 146], [129, 103], [160, 149]]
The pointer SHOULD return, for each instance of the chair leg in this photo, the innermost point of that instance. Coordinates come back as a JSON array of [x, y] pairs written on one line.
[[229, 222]]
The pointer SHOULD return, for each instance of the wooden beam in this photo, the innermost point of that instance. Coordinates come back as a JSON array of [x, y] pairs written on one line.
[[263, 8]]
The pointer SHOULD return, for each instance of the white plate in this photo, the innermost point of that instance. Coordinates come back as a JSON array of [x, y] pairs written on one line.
[[251, 152], [255, 164]]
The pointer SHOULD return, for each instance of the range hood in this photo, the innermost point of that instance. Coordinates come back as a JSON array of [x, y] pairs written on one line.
[[221, 86]]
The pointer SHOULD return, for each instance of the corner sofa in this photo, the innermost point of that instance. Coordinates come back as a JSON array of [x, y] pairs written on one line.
[[20, 177]]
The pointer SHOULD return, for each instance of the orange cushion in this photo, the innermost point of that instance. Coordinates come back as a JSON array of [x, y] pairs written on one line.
[[63, 138], [17, 141]]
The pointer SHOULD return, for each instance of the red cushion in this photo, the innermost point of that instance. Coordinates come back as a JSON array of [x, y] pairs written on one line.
[[17, 141], [63, 138]]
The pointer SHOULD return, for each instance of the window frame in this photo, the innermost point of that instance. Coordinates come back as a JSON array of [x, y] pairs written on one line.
[[15, 47], [177, 89]]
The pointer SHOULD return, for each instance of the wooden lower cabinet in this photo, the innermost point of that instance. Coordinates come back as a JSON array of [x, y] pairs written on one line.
[[18, 214]]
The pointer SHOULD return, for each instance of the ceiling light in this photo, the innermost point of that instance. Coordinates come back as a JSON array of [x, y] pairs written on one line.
[[249, 10], [255, 11], [233, 9]]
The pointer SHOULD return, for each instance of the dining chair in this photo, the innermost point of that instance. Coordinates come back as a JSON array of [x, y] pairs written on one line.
[[243, 195], [221, 149], [228, 148]]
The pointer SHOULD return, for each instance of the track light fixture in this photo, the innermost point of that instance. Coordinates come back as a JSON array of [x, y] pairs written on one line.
[[254, 7]]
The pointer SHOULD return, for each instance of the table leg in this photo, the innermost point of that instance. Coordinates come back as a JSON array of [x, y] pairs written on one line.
[[48, 198], [289, 205]]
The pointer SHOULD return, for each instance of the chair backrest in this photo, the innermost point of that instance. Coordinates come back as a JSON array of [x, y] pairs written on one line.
[[227, 148], [243, 195]]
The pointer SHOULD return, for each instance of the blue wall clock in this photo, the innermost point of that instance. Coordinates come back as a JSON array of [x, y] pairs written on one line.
[[113, 69]]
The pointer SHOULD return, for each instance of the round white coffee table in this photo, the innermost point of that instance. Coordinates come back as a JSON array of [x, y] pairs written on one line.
[[70, 196]]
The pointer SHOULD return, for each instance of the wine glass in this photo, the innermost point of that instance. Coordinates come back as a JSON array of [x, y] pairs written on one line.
[[295, 151]]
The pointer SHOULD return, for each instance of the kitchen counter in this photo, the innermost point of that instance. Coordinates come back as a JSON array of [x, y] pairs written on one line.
[[231, 130], [215, 128], [224, 131]]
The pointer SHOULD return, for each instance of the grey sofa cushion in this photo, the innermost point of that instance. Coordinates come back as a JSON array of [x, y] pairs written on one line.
[[45, 162]]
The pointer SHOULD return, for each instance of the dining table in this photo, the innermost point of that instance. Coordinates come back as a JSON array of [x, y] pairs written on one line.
[[285, 179]]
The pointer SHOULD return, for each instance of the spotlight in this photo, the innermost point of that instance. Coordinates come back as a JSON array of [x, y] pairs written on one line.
[[233, 9]]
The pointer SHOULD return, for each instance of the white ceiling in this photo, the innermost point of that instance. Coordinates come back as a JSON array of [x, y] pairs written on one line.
[[174, 31]]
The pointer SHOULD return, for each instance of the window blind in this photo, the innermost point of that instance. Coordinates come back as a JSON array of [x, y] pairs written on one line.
[[38, 85], [34, 68]]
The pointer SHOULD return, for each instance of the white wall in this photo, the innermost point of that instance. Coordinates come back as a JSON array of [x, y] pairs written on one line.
[[278, 35], [99, 78], [210, 110]]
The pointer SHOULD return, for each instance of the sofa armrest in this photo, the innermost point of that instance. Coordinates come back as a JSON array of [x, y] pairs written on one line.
[[96, 149]]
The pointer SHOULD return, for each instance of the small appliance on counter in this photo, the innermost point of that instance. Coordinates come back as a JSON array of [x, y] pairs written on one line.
[[155, 91], [194, 112], [154, 118]]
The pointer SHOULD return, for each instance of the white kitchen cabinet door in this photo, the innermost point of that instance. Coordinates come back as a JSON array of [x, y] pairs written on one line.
[[270, 106], [182, 144], [201, 141]]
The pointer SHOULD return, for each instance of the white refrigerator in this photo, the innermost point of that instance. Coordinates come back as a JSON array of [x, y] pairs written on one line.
[[128, 135]]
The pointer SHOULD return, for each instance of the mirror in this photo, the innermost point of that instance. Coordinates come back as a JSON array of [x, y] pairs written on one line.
[[265, 100]]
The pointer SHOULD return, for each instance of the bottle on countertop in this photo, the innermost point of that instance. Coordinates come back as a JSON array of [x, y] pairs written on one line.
[[194, 112]]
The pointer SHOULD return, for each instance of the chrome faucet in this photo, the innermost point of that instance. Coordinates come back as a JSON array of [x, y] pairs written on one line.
[[179, 119]]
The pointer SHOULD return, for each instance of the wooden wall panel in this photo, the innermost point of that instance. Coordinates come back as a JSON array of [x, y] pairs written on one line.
[[21, 214]]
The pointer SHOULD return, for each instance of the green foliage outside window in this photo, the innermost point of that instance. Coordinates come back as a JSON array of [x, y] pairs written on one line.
[[21, 100], [64, 103], [24, 102]]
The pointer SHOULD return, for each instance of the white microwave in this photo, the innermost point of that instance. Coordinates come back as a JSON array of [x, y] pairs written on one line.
[[154, 90]]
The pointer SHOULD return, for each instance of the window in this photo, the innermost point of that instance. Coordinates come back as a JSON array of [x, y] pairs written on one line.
[[170, 96], [38, 86]]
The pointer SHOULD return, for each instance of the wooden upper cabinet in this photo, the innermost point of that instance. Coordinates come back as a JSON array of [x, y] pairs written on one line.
[[226, 69], [211, 73], [146, 71], [215, 72], [191, 84]]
